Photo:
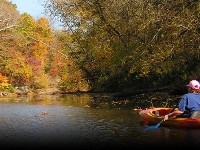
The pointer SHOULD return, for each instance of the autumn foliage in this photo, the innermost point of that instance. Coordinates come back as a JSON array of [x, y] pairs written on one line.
[[3, 82], [104, 45], [31, 54]]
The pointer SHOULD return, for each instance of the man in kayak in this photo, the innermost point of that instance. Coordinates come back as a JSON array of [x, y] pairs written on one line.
[[189, 102]]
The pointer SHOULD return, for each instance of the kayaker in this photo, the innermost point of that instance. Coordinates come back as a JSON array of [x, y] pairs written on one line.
[[189, 102]]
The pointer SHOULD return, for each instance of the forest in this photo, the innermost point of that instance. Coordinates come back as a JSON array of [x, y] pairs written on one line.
[[104, 46]]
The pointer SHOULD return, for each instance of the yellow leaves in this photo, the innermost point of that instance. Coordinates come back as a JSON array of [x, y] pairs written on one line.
[[3, 82], [44, 29], [82, 13], [43, 23], [18, 69], [26, 25], [145, 68], [39, 50], [4, 86], [17, 65], [41, 81]]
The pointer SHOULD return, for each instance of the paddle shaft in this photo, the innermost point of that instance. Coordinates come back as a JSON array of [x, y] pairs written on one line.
[[163, 118], [158, 124], [172, 109]]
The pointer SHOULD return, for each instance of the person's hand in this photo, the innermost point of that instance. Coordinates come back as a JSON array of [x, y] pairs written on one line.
[[166, 117]]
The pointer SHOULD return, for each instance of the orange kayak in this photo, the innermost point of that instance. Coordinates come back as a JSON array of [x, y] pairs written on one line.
[[153, 116]]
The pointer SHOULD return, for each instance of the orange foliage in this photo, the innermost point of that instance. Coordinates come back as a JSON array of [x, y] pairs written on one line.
[[3, 79]]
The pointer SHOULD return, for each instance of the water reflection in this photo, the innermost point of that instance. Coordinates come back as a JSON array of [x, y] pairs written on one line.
[[78, 121]]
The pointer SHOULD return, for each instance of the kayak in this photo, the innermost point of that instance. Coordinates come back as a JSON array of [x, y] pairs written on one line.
[[153, 116]]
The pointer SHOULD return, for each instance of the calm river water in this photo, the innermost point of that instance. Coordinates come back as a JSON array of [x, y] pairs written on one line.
[[79, 121]]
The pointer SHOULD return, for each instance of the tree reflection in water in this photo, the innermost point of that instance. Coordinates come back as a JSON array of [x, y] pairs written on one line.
[[84, 120]]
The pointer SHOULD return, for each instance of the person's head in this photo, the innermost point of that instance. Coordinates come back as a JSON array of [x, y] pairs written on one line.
[[193, 86]]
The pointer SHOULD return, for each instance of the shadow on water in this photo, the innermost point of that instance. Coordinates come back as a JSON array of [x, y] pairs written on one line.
[[98, 121]]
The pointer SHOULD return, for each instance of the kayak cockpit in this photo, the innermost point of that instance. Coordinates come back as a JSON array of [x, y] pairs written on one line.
[[153, 116], [160, 111]]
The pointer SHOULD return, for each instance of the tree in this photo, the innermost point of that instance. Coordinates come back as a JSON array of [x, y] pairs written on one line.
[[145, 40], [8, 15]]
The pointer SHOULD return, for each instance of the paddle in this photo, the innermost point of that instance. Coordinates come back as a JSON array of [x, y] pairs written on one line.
[[158, 124]]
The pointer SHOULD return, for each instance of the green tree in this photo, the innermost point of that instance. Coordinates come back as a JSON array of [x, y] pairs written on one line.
[[148, 43]]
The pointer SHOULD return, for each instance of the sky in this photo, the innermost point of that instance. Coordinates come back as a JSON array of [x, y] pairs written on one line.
[[32, 7]]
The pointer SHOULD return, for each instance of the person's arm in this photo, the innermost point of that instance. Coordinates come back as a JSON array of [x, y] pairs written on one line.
[[183, 103], [174, 113], [180, 110]]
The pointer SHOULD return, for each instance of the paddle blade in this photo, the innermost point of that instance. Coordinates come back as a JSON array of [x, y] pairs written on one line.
[[154, 127]]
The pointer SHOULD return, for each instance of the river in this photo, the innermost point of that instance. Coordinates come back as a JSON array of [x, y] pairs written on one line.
[[81, 121]]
